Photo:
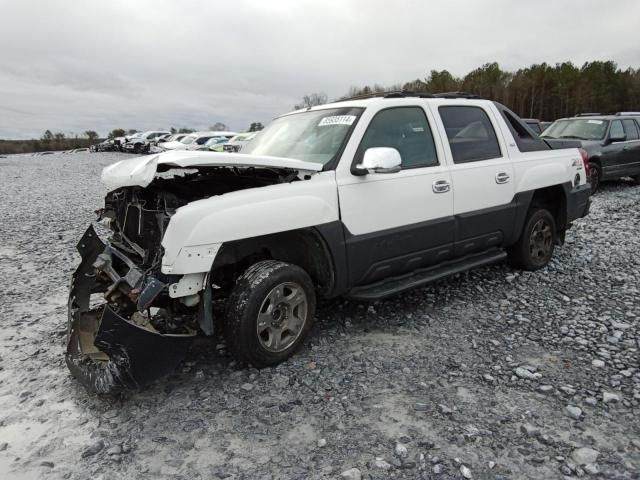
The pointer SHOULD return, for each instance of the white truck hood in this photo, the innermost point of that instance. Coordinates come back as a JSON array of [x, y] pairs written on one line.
[[140, 171]]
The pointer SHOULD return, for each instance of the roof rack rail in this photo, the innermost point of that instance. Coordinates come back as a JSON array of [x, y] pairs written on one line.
[[589, 114], [408, 93], [457, 95], [622, 114], [390, 94]]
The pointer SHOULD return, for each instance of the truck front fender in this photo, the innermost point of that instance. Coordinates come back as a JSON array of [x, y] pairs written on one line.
[[196, 232]]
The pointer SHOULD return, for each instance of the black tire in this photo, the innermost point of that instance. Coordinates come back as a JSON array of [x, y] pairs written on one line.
[[636, 179], [136, 148], [537, 241], [248, 307], [595, 176]]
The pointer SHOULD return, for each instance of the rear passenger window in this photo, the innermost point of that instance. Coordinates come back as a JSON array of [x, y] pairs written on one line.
[[470, 133], [407, 130], [630, 129]]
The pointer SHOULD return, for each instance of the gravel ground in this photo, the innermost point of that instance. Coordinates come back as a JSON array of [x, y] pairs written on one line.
[[490, 374]]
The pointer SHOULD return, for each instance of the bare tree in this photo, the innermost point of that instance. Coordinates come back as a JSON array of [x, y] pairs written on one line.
[[312, 100], [218, 127], [91, 134], [116, 132]]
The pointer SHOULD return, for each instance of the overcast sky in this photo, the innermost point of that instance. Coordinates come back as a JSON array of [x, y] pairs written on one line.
[[73, 65]]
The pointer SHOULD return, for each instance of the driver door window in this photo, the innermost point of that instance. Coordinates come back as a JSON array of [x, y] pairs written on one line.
[[616, 129], [407, 130]]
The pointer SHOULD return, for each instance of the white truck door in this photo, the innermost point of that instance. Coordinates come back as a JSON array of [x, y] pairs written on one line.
[[481, 173], [396, 222]]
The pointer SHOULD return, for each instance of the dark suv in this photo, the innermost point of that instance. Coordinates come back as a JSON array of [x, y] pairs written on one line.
[[612, 142]]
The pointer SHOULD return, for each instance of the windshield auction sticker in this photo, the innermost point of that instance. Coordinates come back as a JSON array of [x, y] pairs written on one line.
[[337, 120]]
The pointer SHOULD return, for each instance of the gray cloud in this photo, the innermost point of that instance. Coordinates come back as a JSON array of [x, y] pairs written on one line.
[[72, 65]]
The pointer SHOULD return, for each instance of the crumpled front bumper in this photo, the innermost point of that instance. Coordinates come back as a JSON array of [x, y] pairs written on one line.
[[106, 351]]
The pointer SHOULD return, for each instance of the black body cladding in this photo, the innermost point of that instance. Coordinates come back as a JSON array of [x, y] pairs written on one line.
[[449, 242]]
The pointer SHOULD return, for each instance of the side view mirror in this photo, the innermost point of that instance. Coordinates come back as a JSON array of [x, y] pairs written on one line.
[[617, 138], [381, 160]]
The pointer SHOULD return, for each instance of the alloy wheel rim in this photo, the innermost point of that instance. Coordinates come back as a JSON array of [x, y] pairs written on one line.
[[541, 241], [282, 317]]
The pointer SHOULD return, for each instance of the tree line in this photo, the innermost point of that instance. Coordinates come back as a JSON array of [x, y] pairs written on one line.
[[50, 141], [542, 91]]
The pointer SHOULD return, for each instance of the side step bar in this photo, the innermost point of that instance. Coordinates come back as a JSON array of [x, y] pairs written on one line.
[[394, 285]]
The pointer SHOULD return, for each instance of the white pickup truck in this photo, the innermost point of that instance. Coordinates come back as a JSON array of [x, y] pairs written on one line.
[[364, 198]]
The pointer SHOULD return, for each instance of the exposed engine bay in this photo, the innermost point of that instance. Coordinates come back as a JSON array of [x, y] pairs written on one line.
[[125, 327], [139, 216]]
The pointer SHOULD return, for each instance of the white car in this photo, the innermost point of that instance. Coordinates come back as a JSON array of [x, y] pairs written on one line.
[[363, 198], [210, 140], [194, 140], [239, 141], [140, 142], [156, 146]]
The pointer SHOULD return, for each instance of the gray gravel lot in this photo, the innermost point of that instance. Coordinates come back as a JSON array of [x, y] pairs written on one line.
[[491, 374]]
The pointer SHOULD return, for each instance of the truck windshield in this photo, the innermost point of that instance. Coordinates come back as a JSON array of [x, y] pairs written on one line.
[[579, 128], [313, 136]]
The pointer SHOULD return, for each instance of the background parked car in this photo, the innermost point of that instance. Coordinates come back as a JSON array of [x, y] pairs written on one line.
[[534, 124], [157, 146], [139, 143], [612, 142], [118, 143], [176, 137], [161, 139], [193, 140], [237, 142], [214, 144], [106, 146]]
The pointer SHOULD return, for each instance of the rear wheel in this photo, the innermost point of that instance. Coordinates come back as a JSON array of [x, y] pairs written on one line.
[[595, 176], [636, 179], [269, 313], [535, 247]]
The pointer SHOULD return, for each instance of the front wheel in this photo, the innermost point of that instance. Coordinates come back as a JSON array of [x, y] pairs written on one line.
[[535, 247], [636, 179], [595, 176], [269, 313]]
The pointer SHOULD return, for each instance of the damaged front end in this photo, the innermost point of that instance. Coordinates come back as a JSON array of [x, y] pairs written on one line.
[[120, 343], [134, 306]]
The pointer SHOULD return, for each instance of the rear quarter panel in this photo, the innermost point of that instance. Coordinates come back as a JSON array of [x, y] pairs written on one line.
[[534, 170], [541, 168]]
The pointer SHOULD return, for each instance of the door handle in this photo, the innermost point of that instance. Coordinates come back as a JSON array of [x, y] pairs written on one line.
[[502, 177], [441, 186], [626, 147]]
